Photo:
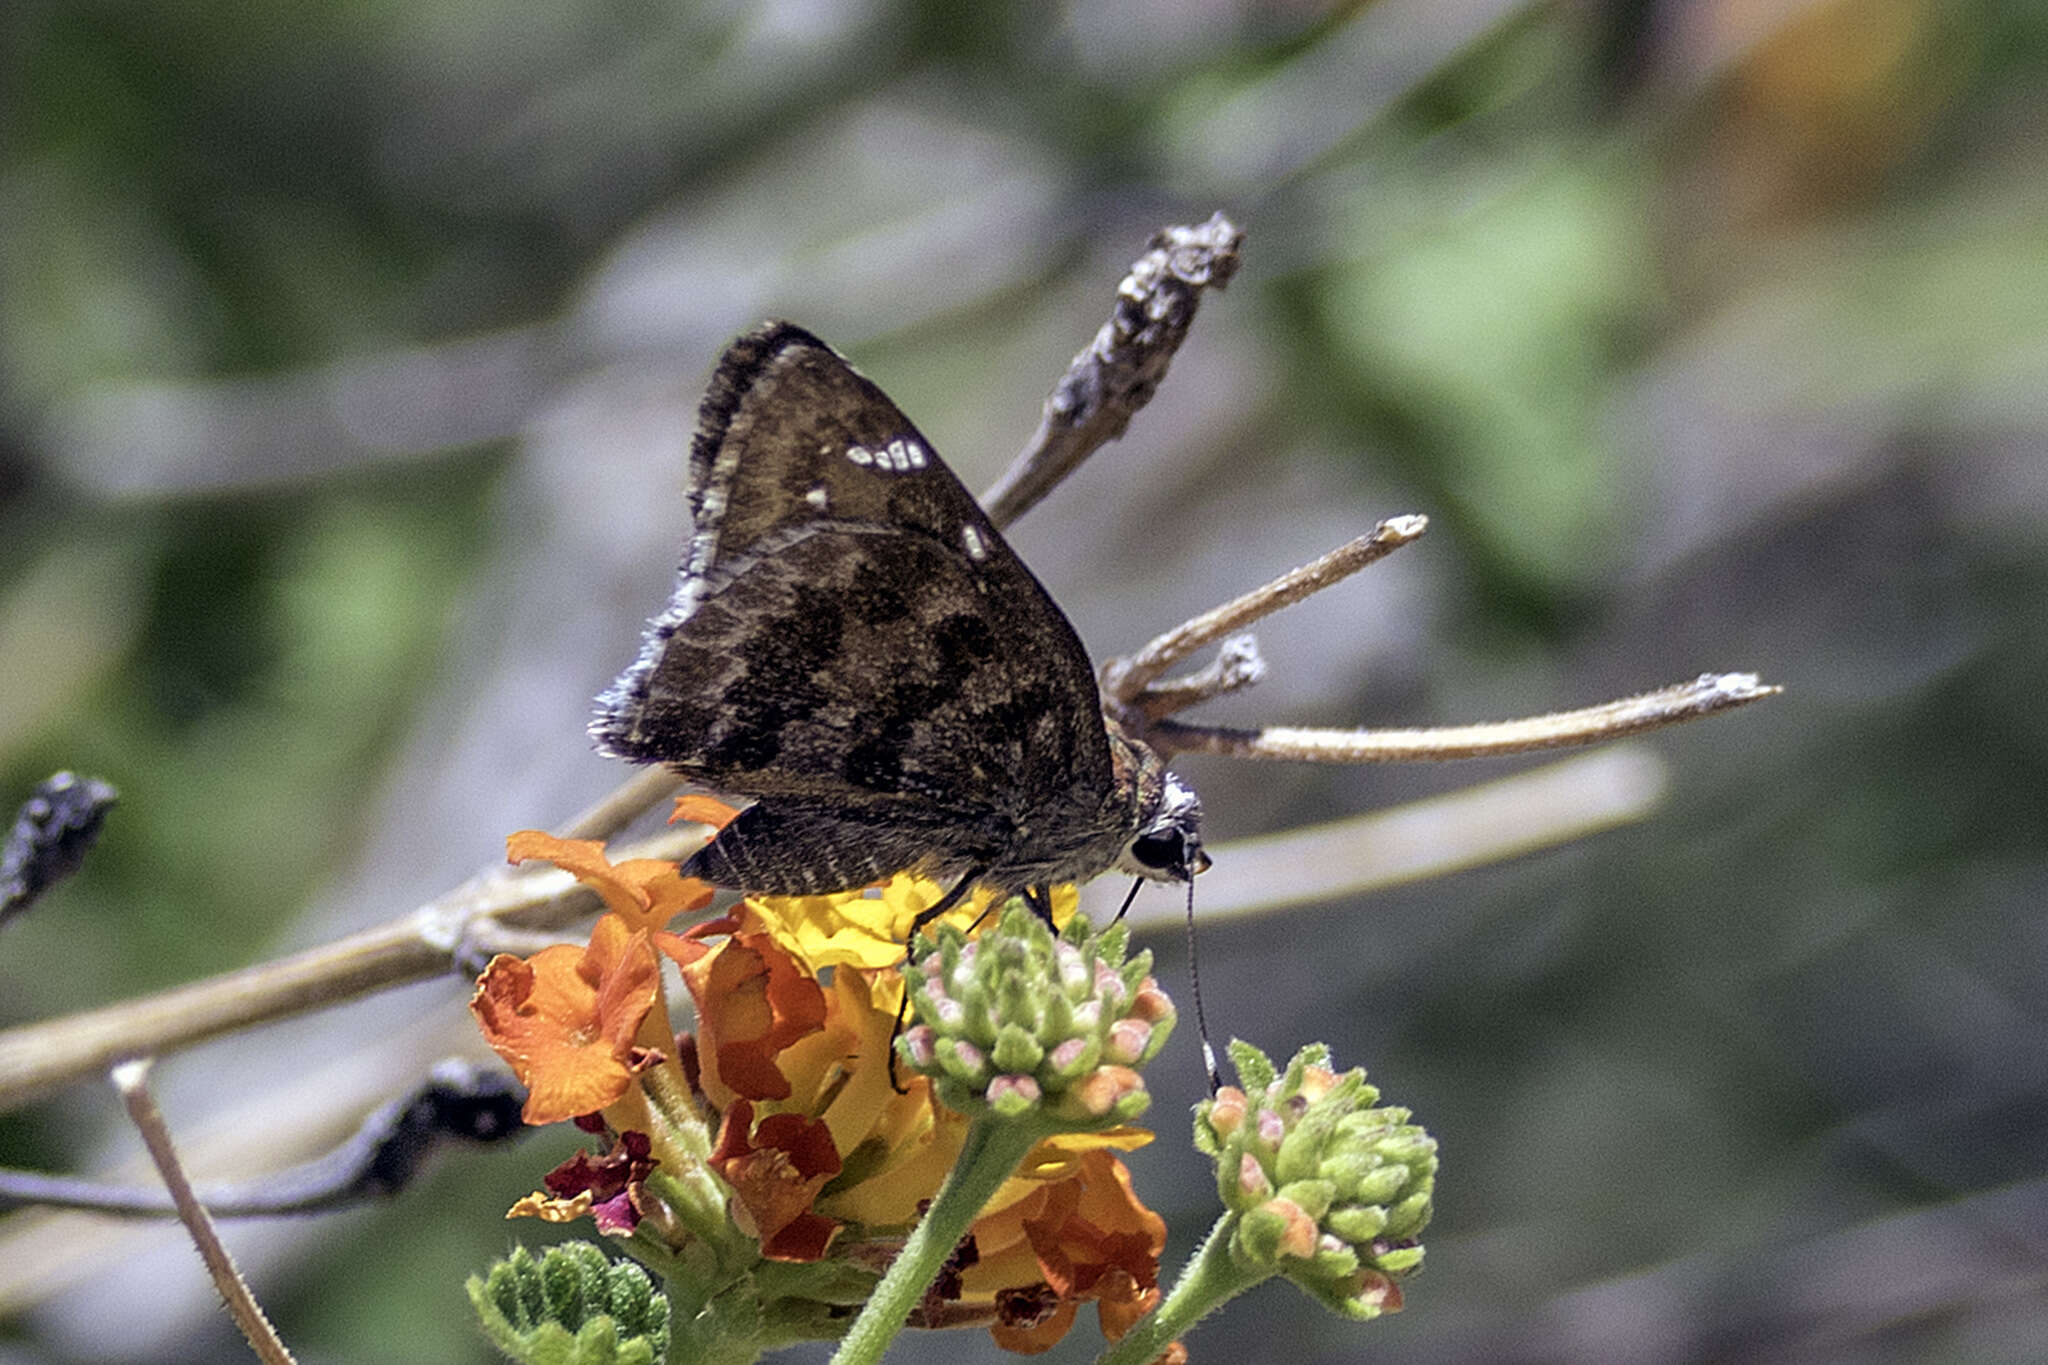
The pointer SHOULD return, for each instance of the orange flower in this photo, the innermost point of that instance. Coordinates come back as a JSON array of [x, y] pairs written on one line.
[[646, 892], [577, 1024], [1082, 1235], [753, 1001], [796, 1001], [782, 1054], [568, 1019], [1067, 1229]]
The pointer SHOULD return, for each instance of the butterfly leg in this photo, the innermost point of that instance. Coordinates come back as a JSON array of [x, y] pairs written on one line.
[[1125, 908], [943, 904], [924, 917], [1039, 898]]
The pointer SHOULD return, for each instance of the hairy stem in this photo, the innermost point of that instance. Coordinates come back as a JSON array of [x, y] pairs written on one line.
[[131, 1078], [993, 1149], [1208, 1281]]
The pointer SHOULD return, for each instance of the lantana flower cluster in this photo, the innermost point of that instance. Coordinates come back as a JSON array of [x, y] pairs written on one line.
[[1321, 1184], [773, 1133]]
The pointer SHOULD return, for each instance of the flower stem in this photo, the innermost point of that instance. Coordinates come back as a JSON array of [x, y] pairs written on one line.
[[1210, 1279], [993, 1149]]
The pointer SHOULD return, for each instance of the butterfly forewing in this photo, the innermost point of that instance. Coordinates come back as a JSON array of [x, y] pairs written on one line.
[[851, 640]]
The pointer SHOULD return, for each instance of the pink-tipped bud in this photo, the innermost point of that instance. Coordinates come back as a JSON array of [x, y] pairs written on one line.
[[1023, 1087], [1377, 1291], [1127, 1040], [918, 1044], [1150, 1003], [1068, 1053], [1226, 1115], [1299, 1237], [1102, 1089], [1316, 1082]]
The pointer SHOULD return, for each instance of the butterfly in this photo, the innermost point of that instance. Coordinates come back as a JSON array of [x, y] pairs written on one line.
[[852, 645]]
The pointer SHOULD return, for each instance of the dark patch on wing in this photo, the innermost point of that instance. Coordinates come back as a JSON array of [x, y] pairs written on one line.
[[781, 682], [872, 598], [962, 642]]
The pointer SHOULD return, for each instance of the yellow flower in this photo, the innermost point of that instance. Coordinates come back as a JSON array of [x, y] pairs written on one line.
[[869, 929]]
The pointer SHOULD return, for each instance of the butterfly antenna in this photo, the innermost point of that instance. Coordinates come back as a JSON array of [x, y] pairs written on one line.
[[924, 917], [1125, 908], [1195, 989]]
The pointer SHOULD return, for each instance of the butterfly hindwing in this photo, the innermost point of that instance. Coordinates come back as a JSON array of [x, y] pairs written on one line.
[[848, 629]]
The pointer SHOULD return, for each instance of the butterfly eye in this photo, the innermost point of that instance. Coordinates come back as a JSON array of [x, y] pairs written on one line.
[[1162, 852]]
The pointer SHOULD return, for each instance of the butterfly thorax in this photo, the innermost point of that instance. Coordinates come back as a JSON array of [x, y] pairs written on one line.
[[1081, 834]]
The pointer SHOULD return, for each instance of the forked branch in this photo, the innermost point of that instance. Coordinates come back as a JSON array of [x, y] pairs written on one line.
[[1131, 692], [1124, 681]]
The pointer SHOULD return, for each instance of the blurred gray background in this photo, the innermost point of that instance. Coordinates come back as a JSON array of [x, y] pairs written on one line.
[[347, 358]]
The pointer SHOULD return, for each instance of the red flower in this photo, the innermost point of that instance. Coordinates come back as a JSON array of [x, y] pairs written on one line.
[[611, 1181], [776, 1168]]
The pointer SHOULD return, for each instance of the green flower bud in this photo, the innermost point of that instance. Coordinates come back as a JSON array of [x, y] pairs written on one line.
[[571, 1307], [1022, 1021], [1327, 1189]]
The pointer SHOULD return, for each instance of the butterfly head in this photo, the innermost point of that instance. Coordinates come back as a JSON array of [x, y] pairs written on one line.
[[1168, 846]]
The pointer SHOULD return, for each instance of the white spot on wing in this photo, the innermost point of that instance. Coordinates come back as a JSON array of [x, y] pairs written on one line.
[[900, 456], [818, 498], [977, 548]]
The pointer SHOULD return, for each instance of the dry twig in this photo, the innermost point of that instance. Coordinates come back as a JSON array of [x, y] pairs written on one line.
[[37, 1058], [131, 1078], [1120, 370], [1703, 696], [1124, 681]]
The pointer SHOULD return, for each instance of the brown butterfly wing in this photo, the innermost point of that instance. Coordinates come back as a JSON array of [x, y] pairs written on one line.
[[851, 641]]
